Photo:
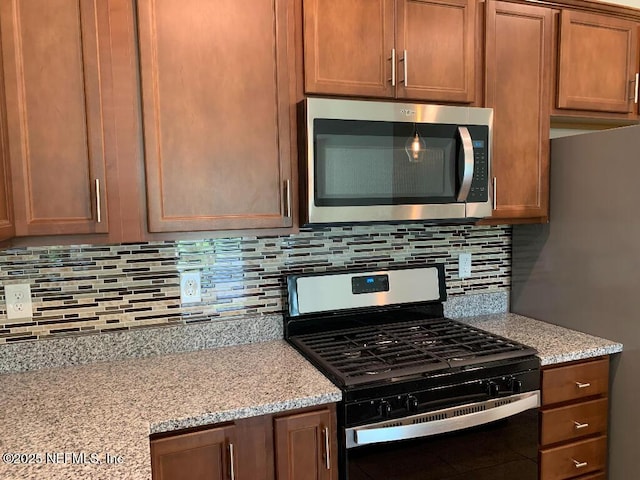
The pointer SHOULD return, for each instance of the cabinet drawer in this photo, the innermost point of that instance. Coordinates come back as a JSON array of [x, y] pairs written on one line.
[[575, 381], [578, 458], [593, 476], [573, 421]]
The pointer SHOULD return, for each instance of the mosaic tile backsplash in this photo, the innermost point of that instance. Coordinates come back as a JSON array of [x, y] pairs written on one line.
[[88, 289]]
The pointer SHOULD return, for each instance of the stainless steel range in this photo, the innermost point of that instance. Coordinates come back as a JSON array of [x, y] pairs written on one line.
[[415, 383]]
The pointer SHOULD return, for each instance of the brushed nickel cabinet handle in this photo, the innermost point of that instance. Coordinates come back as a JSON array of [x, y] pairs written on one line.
[[287, 197], [326, 448], [495, 192], [393, 67], [579, 464], [404, 60], [579, 426], [635, 96], [232, 471], [98, 207], [582, 385]]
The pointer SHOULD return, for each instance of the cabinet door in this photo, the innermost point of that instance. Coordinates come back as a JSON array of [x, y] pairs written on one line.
[[7, 229], [518, 55], [215, 91], [204, 455], [597, 63], [6, 218], [435, 42], [54, 76], [305, 447], [348, 47]]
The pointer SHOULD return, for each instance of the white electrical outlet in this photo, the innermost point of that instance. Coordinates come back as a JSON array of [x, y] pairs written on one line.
[[18, 300], [464, 265], [190, 289]]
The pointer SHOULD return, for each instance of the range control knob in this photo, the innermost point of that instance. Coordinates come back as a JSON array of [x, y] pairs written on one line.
[[412, 403], [493, 388], [384, 408], [516, 385]]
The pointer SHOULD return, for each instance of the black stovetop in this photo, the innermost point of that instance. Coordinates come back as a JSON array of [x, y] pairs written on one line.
[[370, 354]]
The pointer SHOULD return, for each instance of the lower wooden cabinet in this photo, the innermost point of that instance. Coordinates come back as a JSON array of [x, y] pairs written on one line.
[[304, 446], [207, 454], [299, 445], [573, 420]]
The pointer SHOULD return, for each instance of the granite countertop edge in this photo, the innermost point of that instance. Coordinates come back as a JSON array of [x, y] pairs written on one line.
[[555, 344], [212, 418]]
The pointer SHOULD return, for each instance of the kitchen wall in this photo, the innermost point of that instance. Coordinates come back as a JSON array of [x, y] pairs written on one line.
[[86, 289]]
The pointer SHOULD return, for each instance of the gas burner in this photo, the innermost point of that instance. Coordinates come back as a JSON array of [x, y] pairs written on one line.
[[352, 353], [461, 359], [379, 340], [377, 369]]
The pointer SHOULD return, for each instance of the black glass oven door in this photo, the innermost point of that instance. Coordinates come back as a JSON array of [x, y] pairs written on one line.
[[506, 449]]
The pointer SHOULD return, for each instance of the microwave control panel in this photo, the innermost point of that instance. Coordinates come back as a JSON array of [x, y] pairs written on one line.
[[480, 184]]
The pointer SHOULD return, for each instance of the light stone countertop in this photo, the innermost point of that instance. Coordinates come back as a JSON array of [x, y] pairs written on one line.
[[112, 407], [554, 344]]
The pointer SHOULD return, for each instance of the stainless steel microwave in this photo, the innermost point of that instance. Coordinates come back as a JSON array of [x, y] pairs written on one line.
[[371, 161]]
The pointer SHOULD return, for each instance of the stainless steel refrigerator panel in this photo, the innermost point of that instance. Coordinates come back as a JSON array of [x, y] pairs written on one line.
[[582, 270]]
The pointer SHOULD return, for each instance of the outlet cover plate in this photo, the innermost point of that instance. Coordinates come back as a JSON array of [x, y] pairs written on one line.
[[190, 287], [18, 300], [464, 265]]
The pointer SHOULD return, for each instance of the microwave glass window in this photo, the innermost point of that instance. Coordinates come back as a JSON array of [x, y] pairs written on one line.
[[366, 163]]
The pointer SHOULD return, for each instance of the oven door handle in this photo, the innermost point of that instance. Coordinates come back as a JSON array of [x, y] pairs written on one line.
[[433, 423]]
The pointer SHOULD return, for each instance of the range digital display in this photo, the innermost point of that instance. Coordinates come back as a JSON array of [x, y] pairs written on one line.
[[369, 284]]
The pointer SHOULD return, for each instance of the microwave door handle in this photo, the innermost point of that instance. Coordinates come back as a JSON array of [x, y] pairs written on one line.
[[467, 172]]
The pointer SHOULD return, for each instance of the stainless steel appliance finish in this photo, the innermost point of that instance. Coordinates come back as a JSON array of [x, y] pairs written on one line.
[[442, 421], [410, 375], [471, 172], [323, 293], [582, 269]]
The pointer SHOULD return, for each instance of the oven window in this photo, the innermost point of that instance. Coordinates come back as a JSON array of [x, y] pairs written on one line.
[[502, 450], [367, 163]]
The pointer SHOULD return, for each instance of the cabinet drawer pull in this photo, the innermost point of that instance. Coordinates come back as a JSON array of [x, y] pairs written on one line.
[[579, 464], [393, 67], [232, 470], [98, 206], [579, 426], [582, 385], [326, 448]]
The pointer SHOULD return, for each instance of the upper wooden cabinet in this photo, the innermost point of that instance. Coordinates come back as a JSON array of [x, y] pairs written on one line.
[[216, 113], [519, 45], [597, 63], [410, 49], [56, 72], [7, 229]]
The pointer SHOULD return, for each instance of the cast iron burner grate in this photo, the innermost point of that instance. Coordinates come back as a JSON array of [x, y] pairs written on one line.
[[378, 352]]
